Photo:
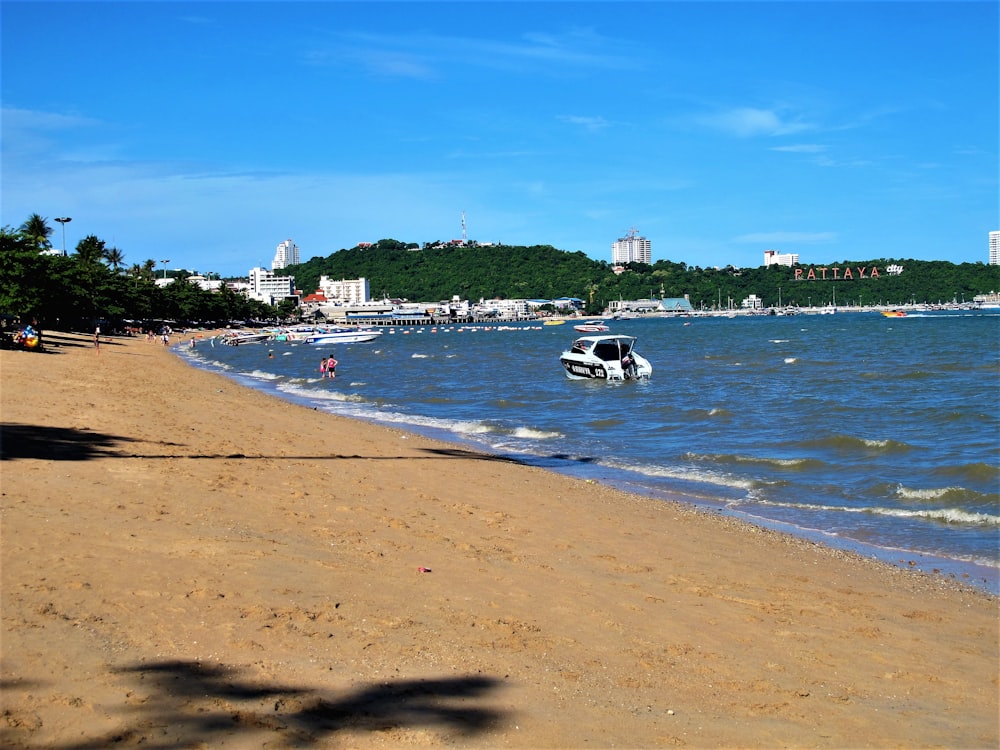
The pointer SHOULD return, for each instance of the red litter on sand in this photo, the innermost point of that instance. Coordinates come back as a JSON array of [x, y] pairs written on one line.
[[423, 570]]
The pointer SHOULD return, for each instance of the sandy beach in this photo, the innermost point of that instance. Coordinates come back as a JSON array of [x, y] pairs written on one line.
[[190, 563]]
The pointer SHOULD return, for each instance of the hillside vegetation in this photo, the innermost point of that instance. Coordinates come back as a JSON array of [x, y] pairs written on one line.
[[400, 270]]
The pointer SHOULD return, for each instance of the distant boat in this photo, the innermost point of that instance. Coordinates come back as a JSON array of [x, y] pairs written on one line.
[[340, 335], [593, 326], [235, 338], [894, 313], [554, 322]]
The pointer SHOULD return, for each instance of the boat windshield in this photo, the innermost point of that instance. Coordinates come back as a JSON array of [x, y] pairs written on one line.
[[612, 350]]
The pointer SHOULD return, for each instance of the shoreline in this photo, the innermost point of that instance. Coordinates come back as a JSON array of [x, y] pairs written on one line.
[[978, 575], [187, 560]]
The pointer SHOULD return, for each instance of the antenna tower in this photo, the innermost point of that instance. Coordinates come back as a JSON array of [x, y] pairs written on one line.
[[464, 237]]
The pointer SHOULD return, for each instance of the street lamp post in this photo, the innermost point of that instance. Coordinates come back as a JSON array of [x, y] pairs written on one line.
[[164, 262], [64, 220]]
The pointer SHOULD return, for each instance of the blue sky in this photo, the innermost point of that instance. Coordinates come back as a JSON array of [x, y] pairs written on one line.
[[206, 133]]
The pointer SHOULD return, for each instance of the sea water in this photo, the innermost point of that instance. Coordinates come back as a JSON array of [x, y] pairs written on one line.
[[877, 434]]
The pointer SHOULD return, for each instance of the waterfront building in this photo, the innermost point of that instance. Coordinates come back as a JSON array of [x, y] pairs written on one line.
[[774, 258], [268, 288], [345, 291], [287, 254], [631, 249], [995, 248]]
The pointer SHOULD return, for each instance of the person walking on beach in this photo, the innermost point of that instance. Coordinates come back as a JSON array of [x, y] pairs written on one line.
[[97, 339], [331, 367]]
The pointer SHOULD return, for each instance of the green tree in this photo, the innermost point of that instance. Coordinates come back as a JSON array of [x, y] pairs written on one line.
[[114, 258], [37, 230], [22, 275]]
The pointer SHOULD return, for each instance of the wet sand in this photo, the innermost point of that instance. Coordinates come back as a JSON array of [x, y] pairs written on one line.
[[190, 563]]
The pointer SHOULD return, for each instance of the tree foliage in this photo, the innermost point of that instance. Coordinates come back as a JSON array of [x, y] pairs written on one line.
[[399, 270], [90, 285], [77, 291]]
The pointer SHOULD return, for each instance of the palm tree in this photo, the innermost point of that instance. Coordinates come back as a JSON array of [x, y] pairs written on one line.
[[90, 250], [114, 257], [37, 229]]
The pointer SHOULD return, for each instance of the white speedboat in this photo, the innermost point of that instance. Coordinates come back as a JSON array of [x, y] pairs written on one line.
[[341, 335], [609, 357], [235, 338], [592, 326]]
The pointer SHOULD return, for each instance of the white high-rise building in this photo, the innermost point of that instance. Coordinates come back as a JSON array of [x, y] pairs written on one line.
[[268, 288], [631, 249], [774, 258], [287, 254], [995, 248]]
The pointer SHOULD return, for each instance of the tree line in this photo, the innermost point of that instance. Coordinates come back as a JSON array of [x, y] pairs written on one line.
[[397, 269], [92, 284]]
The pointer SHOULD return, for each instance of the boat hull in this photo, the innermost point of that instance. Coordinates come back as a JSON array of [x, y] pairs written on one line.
[[577, 369], [609, 357], [346, 337]]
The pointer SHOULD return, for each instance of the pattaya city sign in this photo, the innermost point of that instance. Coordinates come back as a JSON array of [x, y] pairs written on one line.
[[835, 273]]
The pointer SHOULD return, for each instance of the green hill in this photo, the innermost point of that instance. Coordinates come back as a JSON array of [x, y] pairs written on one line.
[[402, 270]]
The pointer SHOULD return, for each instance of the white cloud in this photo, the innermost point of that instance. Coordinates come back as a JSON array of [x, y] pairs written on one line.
[[749, 122], [801, 148], [589, 123]]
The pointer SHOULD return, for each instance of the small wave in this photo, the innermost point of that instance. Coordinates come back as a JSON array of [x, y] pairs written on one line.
[[976, 472], [317, 394], [783, 463], [261, 375], [470, 428], [847, 443], [715, 413], [791, 360], [955, 495], [419, 356], [942, 515], [530, 433], [687, 474], [778, 341], [945, 515]]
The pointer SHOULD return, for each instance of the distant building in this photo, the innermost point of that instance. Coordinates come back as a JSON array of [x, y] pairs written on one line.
[[995, 248], [345, 291], [774, 258], [287, 254], [631, 249], [268, 288], [204, 283]]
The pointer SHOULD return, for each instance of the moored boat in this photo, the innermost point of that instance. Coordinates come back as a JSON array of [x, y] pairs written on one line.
[[341, 335], [592, 326], [610, 357], [235, 338]]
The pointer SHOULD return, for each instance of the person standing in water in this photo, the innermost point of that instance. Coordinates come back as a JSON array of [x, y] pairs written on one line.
[[331, 367]]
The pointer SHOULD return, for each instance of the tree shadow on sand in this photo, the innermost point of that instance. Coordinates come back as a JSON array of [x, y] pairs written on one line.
[[69, 444], [191, 704], [55, 443]]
